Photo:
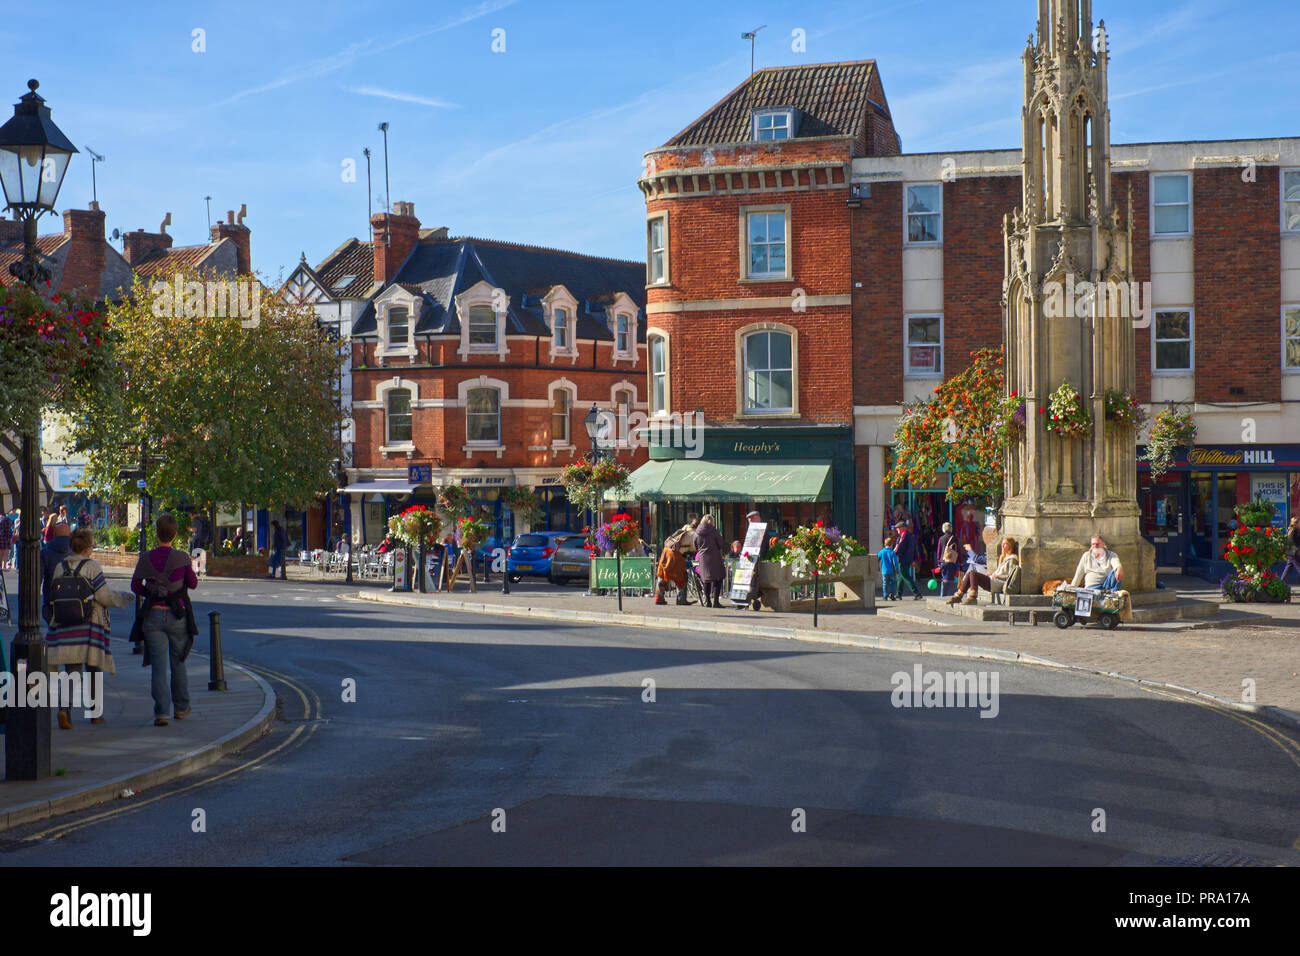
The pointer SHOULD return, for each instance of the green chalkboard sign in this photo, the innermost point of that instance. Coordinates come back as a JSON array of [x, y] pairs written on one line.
[[638, 573]]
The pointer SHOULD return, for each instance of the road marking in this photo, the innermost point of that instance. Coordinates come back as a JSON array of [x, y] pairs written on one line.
[[310, 711], [1286, 744]]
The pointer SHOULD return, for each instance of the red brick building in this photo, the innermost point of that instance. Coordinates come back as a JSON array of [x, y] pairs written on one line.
[[750, 296], [890, 274], [475, 361]]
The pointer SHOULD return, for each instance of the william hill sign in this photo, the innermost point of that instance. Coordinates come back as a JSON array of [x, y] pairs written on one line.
[[1223, 456]]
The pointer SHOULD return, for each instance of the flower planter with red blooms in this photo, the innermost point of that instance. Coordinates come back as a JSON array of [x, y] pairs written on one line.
[[618, 535], [53, 352], [418, 525], [1252, 551]]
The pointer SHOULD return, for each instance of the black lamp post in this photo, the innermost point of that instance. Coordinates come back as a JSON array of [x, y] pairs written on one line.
[[34, 156]]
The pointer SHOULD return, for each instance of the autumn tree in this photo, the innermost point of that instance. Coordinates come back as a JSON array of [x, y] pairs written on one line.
[[239, 402], [963, 430]]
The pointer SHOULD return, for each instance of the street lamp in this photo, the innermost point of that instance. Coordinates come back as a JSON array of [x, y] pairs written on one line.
[[34, 156]]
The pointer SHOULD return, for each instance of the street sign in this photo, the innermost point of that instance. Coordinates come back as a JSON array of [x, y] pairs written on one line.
[[419, 474], [638, 573]]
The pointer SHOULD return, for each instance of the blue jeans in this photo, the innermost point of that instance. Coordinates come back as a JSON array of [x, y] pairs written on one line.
[[276, 561], [1111, 583], [889, 584], [166, 635]]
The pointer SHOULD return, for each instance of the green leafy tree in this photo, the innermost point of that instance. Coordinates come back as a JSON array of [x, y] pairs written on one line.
[[236, 408]]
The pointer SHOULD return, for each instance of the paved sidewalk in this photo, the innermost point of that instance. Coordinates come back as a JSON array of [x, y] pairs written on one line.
[[1213, 660], [127, 752]]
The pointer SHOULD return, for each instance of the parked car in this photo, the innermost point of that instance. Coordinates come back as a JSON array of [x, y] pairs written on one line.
[[531, 553], [571, 560]]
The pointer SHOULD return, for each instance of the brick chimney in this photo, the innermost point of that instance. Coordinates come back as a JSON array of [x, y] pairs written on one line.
[[11, 230], [139, 244], [235, 230], [83, 266], [396, 234]]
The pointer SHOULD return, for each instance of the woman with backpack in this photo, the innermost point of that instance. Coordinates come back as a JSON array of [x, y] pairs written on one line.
[[78, 616], [164, 578]]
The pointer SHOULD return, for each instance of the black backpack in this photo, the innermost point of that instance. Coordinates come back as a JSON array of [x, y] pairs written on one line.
[[71, 597]]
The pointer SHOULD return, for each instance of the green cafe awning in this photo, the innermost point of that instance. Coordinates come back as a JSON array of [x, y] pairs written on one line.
[[730, 481]]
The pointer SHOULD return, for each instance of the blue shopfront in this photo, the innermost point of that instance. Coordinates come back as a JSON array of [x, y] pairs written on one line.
[[1189, 512]]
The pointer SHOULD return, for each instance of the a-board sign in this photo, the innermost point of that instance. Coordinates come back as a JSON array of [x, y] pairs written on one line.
[[742, 578]]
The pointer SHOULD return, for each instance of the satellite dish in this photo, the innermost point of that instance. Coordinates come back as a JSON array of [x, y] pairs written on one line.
[[117, 234]]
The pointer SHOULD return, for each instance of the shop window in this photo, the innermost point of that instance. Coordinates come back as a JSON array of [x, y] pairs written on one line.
[[483, 416]]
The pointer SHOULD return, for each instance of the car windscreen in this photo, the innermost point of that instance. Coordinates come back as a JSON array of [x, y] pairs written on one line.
[[532, 541]]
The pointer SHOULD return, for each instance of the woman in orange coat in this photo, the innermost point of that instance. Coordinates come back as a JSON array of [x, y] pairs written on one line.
[[672, 565]]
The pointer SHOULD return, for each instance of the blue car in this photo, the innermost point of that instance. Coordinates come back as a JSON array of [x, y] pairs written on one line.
[[530, 554]]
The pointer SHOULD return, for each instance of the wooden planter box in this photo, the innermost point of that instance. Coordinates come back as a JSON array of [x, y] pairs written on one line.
[[855, 588], [237, 566]]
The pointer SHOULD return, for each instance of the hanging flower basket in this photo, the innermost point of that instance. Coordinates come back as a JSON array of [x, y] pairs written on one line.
[[416, 525], [618, 534], [523, 502], [455, 500], [1067, 416], [814, 551], [1123, 411], [470, 533], [1170, 431]]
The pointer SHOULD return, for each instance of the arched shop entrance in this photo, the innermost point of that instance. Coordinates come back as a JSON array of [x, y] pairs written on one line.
[[928, 509]]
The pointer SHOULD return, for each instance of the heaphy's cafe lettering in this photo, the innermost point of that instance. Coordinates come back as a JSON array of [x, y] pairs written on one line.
[[1218, 456]]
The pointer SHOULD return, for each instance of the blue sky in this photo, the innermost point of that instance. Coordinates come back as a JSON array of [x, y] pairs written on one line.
[[542, 143]]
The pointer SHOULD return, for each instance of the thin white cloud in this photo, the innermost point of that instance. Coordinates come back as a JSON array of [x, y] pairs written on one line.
[[323, 66], [401, 97]]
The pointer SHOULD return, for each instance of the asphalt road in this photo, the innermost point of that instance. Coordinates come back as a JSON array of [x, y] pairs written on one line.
[[481, 739]]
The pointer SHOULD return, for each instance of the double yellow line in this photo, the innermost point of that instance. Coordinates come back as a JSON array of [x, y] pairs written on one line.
[[1288, 745], [311, 707]]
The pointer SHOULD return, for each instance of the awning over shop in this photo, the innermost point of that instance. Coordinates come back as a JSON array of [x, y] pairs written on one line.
[[730, 481], [381, 486]]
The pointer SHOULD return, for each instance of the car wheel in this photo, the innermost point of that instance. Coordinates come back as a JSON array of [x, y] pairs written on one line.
[[559, 582]]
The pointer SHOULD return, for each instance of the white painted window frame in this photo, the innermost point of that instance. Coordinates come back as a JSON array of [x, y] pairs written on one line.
[[907, 349], [1154, 205], [907, 216], [1191, 340]]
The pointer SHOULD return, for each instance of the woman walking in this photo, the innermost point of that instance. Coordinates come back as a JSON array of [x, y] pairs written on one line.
[[1293, 548], [164, 578], [708, 552], [84, 647]]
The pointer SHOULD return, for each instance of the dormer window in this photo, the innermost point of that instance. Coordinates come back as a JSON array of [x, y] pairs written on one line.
[[395, 312], [622, 333], [560, 311], [482, 328], [560, 330], [773, 124], [399, 328]]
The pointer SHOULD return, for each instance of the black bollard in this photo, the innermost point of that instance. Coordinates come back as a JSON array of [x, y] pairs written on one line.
[[216, 666], [505, 571]]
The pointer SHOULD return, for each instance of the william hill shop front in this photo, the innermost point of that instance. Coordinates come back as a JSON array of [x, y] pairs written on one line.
[[1188, 512], [790, 475]]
